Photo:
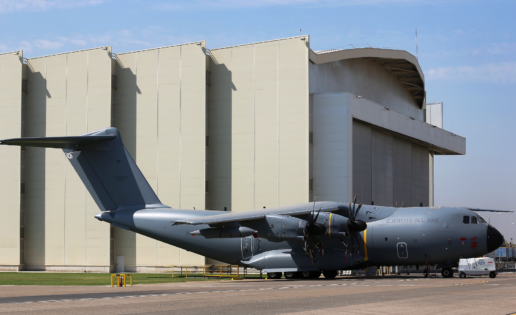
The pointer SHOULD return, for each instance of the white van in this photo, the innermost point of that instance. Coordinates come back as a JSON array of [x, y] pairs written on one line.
[[483, 266]]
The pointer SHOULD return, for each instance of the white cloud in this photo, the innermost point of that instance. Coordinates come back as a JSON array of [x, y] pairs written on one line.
[[47, 44], [42, 5], [79, 42], [4, 48], [504, 72]]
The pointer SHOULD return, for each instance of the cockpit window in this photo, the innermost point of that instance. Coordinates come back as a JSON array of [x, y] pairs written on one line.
[[481, 219], [465, 220], [474, 220]]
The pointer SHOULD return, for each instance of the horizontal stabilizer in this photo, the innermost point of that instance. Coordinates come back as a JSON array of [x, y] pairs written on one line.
[[58, 142], [489, 210]]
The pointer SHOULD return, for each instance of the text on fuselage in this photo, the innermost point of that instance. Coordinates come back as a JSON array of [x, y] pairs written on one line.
[[414, 220]]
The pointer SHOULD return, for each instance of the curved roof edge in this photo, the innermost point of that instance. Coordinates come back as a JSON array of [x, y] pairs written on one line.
[[403, 65]]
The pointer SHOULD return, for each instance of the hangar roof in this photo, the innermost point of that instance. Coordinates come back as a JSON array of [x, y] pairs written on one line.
[[403, 65]]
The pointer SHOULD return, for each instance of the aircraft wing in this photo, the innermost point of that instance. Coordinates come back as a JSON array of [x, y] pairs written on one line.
[[489, 210], [295, 211]]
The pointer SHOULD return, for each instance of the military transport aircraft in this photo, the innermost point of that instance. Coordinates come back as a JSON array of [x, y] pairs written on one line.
[[300, 240]]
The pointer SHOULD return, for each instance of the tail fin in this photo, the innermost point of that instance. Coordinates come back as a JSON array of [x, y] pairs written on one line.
[[104, 166]]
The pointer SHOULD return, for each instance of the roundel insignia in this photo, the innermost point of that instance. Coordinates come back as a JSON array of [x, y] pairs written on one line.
[[69, 156]]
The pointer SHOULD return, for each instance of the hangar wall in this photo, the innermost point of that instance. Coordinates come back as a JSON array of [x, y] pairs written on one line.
[[259, 125], [11, 65], [159, 108], [351, 155], [388, 170], [366, 78], [68, 94], [332, 159]]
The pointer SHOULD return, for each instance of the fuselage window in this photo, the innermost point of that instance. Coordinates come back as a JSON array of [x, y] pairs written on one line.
[[465, 220], [481, 219], [474, 220]]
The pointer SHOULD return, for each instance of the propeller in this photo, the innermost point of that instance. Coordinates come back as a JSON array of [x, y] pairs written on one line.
[[354, 227], [311, 230]]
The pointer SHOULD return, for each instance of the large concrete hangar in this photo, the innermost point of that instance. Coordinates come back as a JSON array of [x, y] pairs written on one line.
[[238, 128]]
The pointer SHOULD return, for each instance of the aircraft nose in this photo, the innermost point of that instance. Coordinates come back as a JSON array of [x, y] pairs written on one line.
[[494, 239]]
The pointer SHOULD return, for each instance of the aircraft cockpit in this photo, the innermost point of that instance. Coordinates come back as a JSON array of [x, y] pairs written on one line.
[[474, 220]]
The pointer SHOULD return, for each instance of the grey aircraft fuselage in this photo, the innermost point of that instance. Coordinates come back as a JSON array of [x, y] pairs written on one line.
[[394, 236], [287, 238]]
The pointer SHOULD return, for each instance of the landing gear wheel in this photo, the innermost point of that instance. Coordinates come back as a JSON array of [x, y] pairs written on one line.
[[274, 275], [292, 275], [330, 274], [310, 274], [492, 274], [462, 275], [447, 273]]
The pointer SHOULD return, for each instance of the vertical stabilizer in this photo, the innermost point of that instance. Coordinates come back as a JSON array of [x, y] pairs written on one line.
[[105, 167]]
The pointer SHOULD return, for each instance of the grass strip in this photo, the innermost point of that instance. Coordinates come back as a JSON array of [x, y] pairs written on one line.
[[50, 278]]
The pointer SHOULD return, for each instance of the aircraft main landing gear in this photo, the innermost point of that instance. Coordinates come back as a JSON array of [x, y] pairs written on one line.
[[292, 275], [274, 275], [447, 273], [310, 274]]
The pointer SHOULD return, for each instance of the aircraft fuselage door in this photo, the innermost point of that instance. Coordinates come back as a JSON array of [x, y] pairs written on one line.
[[247, 247], [402, 250]]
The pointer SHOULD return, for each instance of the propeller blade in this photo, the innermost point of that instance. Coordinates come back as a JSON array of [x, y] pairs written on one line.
[[358, 245], [352, 215], [313, 209], [356, 213], [318, 214], [352, 243]]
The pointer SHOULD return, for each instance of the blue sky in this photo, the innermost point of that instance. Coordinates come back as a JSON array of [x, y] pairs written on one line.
[[467, 50]]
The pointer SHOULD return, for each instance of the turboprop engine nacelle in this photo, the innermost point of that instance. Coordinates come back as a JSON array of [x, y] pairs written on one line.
[[225, 232], [337, 225], [340, 226]]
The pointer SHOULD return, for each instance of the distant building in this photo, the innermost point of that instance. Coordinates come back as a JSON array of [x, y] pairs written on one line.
[[238, 128]]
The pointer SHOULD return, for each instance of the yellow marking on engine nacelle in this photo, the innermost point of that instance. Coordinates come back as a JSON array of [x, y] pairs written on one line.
[[365, 245], [329, 225]]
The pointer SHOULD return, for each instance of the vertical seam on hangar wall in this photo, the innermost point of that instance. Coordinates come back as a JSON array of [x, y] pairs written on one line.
[[277, 126], [86, 191], [231, 130], [65, 166], [180, 120], [254, 126], [157, 141], [157, 126]]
